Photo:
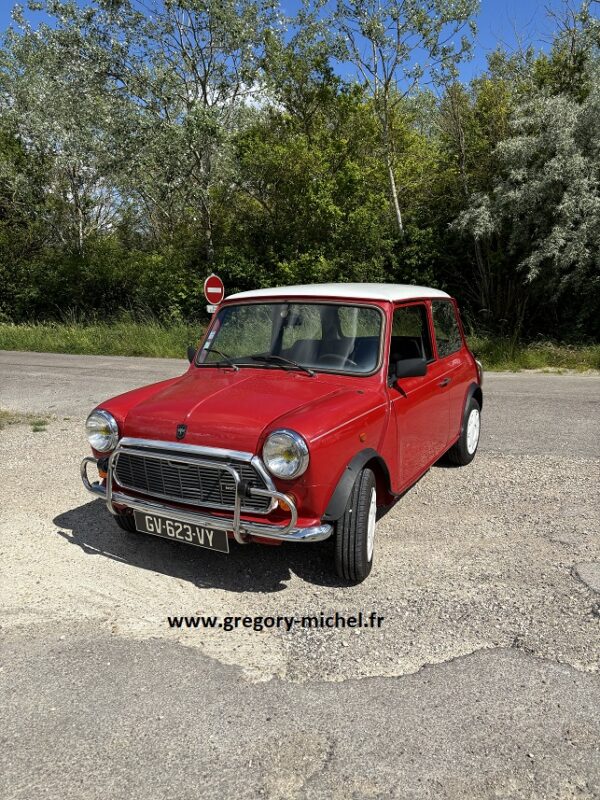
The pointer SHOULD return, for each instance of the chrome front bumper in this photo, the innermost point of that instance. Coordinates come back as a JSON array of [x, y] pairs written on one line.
[[240, 528]]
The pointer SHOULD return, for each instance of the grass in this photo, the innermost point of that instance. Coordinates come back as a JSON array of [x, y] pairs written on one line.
[[504, 354], [38, 425], [120, 338], [37, 422], [125, 337]]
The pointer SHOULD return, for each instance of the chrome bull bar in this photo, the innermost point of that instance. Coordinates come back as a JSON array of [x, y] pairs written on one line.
[[241, 529]]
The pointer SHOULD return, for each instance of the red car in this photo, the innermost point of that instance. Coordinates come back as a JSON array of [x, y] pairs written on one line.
[[303, 411]]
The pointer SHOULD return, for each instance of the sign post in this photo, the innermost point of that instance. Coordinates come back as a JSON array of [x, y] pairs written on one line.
[[214, 291]]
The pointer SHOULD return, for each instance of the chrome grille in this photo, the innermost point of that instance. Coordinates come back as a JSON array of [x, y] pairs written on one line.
[[185, 482]]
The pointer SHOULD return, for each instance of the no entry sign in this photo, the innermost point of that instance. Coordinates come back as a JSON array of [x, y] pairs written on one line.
[[214, 290]]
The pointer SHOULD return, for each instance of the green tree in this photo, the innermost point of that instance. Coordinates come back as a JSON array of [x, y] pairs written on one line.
[[59, 111], [381, 39], [543, 200]]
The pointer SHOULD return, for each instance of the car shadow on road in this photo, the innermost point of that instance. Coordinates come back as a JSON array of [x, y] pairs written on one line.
[[247, 568]]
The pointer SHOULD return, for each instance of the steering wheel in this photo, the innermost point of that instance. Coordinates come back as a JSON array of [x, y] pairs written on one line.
[[342, 360]]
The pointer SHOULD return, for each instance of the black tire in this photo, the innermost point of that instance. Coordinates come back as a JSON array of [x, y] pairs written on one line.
[[460, 454], [126, 522], [352, 561]]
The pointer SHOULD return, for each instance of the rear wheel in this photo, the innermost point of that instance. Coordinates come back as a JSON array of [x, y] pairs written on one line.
[[126, 522], [355, 530], [463, 452]]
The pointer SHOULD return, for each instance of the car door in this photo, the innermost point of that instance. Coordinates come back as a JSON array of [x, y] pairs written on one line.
[[419, 405], [450, 351]]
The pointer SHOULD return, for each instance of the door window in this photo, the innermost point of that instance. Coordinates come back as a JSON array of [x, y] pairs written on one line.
[[447, 332], [410, 334]]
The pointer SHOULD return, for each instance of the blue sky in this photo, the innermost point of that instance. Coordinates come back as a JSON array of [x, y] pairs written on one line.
[[508, 22], [499, 22]]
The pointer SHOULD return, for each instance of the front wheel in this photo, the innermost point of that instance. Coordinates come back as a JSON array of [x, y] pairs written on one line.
[[355, 530], [463, 452]]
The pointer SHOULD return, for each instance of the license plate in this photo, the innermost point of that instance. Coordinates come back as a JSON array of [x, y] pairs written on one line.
[[189, 533]]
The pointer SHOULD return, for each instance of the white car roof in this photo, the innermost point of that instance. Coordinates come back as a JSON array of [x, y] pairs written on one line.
[[352, 291]]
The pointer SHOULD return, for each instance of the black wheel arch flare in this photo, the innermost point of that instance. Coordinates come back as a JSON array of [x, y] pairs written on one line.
[[339, 498], [474, 390]]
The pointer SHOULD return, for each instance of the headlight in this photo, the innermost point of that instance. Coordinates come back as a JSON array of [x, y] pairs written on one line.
[[285, 454], [102, 431]]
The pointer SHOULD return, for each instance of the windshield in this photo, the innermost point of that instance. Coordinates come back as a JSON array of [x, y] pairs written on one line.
[[315, 336]]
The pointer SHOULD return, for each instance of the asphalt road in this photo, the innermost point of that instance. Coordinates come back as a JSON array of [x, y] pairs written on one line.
[[483, 681], [544, 413]]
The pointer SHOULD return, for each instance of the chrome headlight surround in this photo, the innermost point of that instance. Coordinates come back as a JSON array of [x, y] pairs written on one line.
[[285, 454], [102, 430]]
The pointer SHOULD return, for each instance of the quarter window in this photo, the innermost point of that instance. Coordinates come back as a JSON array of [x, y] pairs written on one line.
[[447, 333]]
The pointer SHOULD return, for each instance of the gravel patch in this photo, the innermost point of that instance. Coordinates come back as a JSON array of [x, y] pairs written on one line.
[[470, 559], [481, 683]]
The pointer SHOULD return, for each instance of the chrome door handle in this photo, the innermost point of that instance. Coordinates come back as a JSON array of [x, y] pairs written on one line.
[[445, 382]]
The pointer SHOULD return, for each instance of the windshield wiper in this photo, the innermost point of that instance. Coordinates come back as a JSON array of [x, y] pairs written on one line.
[[273, 359], [226, 359]]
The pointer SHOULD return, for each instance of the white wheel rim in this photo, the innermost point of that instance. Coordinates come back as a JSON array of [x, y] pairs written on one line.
[[473, 426], [371, 525]]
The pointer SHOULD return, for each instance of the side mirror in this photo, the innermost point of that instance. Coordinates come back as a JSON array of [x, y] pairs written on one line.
[[410, 368], [191, 352]]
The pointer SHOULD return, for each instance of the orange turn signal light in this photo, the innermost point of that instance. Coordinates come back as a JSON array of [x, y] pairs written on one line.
[[102, 473], [285, 506]]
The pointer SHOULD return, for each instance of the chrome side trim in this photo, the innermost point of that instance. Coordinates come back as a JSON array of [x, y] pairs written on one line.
[[240, 528]]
